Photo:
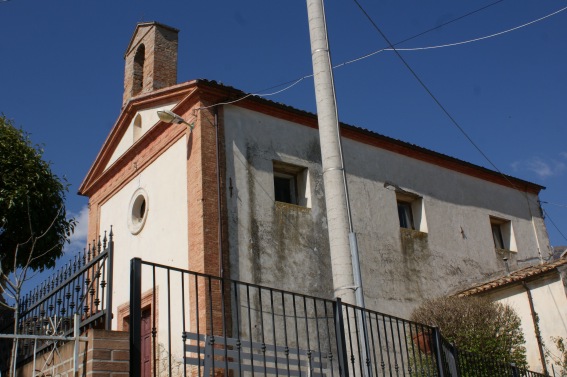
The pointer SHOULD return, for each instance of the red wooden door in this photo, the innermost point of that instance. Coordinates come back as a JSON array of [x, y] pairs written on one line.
[[146, 343]]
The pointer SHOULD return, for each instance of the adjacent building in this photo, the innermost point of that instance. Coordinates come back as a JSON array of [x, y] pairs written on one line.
[[539, 296]]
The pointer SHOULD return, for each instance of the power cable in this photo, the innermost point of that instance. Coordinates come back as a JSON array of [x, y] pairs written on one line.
[[420, 34], [555, 204], [391, 47], [481, 38], [426, 88], [297, 81], [546, 214], [453, 120], [450, 21], [292, 83]]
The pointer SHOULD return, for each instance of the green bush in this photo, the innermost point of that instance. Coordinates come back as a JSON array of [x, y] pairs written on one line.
[[477, 325]]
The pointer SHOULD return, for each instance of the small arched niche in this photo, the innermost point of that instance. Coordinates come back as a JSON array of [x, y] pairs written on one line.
[[137, 129]]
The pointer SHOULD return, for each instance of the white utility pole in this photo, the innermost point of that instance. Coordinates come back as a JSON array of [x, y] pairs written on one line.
[[347, 281]]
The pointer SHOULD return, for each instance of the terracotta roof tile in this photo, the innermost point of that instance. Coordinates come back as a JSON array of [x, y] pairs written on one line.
[[516, 276]]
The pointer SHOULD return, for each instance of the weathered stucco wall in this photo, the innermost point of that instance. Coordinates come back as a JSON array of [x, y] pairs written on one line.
[[286, 246], [458, 249], [277, 244]]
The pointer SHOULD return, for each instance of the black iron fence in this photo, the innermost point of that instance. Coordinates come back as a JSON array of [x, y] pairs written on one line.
[[456, 362], [82, 286], [190, 324]]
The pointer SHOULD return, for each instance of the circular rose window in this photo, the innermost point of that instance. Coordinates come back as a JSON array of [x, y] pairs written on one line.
[[138, 211]]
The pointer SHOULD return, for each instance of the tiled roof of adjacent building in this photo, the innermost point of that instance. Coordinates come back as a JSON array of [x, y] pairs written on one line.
[[516, 276]]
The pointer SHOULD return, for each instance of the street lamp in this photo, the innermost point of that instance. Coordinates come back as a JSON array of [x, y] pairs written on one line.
[[170, 117]]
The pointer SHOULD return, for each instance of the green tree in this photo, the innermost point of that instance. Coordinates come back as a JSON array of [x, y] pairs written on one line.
[[478, 325], [33, 222], [32, 203]]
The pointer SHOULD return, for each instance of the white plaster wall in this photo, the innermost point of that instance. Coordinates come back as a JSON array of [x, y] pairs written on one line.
[[456, 252], [149, 118], [164, 237], [550, 304]]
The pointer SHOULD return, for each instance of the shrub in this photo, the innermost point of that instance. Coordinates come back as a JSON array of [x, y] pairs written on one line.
[[477, 325]]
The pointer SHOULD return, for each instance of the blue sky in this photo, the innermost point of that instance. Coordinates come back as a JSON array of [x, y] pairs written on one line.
[[61, 75]]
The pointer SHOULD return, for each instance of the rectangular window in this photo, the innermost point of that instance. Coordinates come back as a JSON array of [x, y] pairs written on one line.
[[411, 211], [405, 214], [291, 184], [502, 234], [497, 236], [285, 189]]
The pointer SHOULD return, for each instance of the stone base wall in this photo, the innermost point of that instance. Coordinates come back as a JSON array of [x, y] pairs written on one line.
[[104, 354]]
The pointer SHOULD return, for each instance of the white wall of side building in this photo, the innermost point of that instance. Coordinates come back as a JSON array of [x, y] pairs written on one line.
[[164, 236], [287, 246], [550, 304]]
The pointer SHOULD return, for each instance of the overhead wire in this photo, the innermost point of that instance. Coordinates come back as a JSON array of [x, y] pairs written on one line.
[[368, 55], [445, 111], [297, 81], [294, 83], [391, 47], [450, 21], [481, 38], [426, 88], [546, 214], [555, 204]]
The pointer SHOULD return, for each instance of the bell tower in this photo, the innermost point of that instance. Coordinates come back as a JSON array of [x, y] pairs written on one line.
[[150, 59]]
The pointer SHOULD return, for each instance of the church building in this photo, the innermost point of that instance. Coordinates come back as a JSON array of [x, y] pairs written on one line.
[[234, 188]]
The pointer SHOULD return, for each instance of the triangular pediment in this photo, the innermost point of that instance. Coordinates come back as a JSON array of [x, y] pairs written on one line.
[[139, 112]]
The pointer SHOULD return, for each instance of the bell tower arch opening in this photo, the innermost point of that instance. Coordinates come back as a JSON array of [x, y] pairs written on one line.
[[150, 60], [138, 70]]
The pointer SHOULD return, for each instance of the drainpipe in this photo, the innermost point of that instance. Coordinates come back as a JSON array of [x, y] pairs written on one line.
[[536, 327]]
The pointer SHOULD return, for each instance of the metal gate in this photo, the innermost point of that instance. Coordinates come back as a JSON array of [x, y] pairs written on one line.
[[76, 297], [50, 343]]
